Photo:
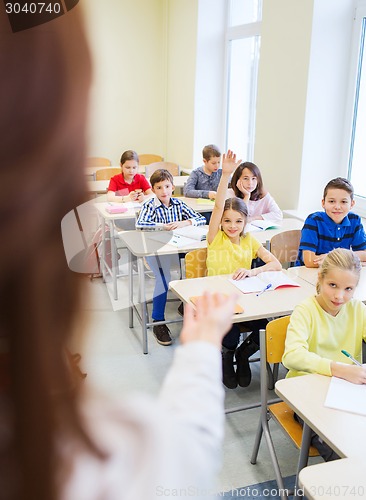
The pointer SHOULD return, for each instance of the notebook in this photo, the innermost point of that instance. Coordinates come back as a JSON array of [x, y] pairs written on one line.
[[116, 209], [205, 201], [170, 238], [345, 396], [276, 279], [237, 310], [195, 232], [262, 225]]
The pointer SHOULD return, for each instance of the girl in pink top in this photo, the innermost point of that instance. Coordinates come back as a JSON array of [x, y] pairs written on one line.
[[247, 184]]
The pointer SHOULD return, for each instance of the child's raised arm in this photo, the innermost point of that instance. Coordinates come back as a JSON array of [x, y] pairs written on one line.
[[229, 164]]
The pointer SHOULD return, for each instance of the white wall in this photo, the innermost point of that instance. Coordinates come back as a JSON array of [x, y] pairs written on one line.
[[181, 72], [302, 91], [127, 110], [281, 98], [209, 83], [322, 157]]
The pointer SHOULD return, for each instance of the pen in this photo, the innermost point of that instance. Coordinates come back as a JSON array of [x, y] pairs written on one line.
[[264, 289], [351, 357]]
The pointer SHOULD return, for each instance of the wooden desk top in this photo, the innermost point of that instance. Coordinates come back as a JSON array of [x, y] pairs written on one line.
[[338, 479], [142, 243], [345, 432], [102, 186], [311, 276], [274, 303]]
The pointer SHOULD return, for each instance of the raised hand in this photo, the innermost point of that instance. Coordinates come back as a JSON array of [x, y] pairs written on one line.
[[229, 163], [211, 320]]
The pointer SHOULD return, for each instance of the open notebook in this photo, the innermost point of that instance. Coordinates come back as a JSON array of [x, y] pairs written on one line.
[[181, 237], [343, 395], [262, 225], [275, 279]]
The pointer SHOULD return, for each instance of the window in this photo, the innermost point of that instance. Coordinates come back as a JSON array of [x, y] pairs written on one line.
[[243, 44], [356, 138]]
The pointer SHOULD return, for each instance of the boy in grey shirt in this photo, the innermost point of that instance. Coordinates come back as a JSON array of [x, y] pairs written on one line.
[[203, 181]]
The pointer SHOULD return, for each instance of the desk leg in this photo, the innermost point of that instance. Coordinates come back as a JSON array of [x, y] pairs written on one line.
[[304, 454], [114, 259], [102, 259], [142, 299], [130, 289]]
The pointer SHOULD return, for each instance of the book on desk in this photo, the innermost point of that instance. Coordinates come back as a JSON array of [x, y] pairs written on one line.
[[262, 225], [181, 237], [268, 280]]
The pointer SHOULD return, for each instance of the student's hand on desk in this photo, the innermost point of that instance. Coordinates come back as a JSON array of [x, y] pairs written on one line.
[[211, 195], [211, 320], [242, 273], [318, 259], [352, 373], [175, 225], [229, 163]]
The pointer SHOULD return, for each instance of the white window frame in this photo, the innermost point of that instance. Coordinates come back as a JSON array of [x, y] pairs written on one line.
[[235, 33], [360, 13]]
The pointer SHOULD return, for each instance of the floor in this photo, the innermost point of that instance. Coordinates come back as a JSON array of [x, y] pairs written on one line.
[[113, 359]]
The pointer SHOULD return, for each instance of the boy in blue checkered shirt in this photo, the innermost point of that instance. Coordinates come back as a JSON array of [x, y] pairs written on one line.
[[172, 213], [336, 227]]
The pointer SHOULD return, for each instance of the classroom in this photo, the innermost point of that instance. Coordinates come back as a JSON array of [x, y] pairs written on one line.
[[159, 86]]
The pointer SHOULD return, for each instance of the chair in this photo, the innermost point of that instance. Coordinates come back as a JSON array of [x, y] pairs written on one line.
[[95, 161], [285, 246], [195, 263], [104, 174], [147, 159], [272, 346], [173, 168]]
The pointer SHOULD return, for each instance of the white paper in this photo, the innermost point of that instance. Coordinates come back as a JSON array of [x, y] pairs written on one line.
[[195, 232], [169, 238], [345, 396], [258, 283]]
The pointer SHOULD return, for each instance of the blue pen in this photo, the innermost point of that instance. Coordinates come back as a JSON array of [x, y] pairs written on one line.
[[264, 289], [351, 357]]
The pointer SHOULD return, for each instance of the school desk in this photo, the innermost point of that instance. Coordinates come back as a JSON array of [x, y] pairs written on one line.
[[142, 244], [272, 303], [94, 186], [344, 432], [90, 171], [310, 274], [343, 478], [108, 219]]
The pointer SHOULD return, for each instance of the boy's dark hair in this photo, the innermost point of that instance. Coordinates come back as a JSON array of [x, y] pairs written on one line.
[[209, 151], [339, 183], [257, 194], [129, 155], [161, 175]]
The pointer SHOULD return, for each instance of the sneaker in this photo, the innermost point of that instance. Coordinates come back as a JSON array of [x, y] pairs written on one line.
[[162, 334], [181, 309]]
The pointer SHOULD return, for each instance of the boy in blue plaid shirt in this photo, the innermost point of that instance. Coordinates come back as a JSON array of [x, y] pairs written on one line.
[[172, 213]]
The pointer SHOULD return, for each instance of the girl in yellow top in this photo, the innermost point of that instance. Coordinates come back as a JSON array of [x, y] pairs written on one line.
[[324, 324], [231, 251]]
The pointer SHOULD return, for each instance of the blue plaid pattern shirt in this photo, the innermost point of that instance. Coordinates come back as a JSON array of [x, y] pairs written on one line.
[[153, 212]]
